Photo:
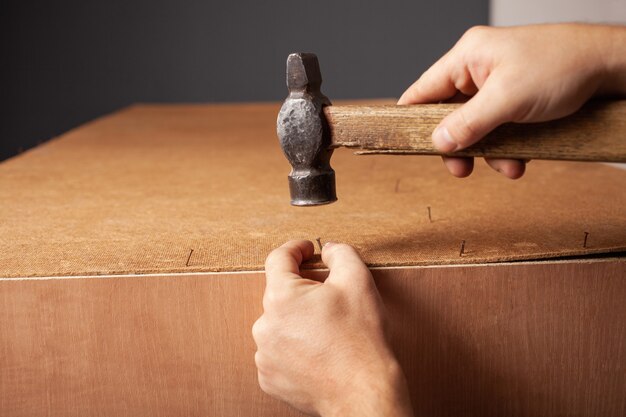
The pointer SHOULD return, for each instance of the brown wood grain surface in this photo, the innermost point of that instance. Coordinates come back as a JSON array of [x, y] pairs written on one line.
[[522, 339], [597, 132]]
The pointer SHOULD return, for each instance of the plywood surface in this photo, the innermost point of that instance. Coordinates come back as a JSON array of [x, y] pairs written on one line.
[[203, 188], [525, 339]]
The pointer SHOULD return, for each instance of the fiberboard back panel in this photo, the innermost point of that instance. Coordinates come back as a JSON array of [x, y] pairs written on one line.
[[166, 188]]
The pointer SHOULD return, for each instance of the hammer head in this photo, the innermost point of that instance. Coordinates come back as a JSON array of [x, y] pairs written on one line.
[[304, 134]]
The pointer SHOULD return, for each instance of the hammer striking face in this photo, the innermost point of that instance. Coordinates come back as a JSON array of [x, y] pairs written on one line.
[[304, 134]]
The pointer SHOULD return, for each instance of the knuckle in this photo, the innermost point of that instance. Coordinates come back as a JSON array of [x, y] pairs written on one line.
[[259, 361], [274, 298], [271, 258], [269, 300], [266, 380], [259, 330], [476, 32], [265, 384]]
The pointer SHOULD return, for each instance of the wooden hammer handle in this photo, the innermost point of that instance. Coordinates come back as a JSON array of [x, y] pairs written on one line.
[[597, 132]]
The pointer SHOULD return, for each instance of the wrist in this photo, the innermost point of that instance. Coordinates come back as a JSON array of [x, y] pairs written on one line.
[[378, 392], [614, 61]]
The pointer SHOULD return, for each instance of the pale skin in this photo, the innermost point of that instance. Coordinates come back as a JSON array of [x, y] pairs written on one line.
[[522, 74], [322, 347]]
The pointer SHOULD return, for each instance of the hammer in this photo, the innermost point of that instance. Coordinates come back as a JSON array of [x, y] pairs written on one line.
[[310, 128]]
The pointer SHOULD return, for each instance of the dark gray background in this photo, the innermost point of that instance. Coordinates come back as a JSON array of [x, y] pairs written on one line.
[[66, 62]]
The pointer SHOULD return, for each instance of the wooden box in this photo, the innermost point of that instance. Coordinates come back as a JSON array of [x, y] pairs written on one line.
[[132, 249]]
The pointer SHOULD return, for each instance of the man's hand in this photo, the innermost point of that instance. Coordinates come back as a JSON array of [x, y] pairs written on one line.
[[322, 346], [522, 74]]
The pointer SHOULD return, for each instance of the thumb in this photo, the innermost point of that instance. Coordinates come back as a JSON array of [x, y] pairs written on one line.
[[346, 266], [468, 124]]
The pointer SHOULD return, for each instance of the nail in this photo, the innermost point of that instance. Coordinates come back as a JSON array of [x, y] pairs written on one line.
[[443, 141], [319, 243]]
